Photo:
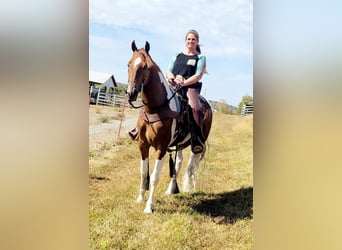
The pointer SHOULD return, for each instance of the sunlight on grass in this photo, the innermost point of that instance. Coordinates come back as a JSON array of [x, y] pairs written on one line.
[[218, 216]]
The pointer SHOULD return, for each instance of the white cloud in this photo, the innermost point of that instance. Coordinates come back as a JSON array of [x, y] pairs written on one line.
[[221, 24], [102, 42], [226, 35]]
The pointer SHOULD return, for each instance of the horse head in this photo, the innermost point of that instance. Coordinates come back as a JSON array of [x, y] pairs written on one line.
[[138, 71]]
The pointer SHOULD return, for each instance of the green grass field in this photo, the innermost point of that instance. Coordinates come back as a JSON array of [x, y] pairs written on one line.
[[218, 216]]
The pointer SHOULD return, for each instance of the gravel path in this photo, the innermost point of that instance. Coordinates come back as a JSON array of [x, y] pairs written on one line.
[[103, 127], [102, 133]]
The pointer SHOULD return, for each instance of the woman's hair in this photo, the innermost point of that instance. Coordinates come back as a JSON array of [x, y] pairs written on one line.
[[195, 33]]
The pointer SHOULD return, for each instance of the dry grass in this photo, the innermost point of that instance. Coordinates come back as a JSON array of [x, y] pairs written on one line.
[[218, 216]]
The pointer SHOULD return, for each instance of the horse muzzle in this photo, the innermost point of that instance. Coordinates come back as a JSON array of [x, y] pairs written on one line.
[[132, 94]]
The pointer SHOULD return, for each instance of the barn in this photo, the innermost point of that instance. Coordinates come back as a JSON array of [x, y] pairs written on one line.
[[99, 78], [100, 83]]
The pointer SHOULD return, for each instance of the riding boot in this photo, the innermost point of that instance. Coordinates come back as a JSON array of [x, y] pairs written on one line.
[[197, 140], [133, 134]]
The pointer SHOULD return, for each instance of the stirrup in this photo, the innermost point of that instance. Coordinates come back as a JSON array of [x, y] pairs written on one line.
[[197, 149], [197, 146]]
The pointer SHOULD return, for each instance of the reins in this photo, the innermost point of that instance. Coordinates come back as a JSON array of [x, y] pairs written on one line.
[[150, 107]]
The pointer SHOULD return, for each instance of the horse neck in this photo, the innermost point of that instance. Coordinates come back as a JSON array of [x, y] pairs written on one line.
[[154, 93]]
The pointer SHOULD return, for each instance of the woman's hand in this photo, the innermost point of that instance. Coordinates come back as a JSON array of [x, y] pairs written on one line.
[[179, 80]]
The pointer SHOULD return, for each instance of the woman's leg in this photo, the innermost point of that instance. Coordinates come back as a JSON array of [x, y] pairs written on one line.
[[197, 140], [194, 102]]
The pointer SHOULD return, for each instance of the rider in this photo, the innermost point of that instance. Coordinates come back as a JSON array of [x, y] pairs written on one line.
[[186, 69]]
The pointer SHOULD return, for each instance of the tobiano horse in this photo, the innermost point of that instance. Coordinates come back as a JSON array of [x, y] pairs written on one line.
[[159, 124]]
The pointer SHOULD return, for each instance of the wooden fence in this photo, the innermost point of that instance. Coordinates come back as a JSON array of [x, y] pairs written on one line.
[[110, 100], [247, 109]]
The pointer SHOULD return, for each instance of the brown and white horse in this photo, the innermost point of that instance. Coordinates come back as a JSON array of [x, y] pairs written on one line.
[[157, 124]]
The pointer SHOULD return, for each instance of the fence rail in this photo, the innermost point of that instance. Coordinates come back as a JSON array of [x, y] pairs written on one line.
[[113, 100], [110, 100], [118, 102], [247, 109]]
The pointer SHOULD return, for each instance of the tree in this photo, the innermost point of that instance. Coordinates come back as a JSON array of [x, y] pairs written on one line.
[[248, 100], [120, 90], [222, 107]]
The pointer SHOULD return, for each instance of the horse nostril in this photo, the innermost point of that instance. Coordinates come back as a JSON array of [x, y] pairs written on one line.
[[132, 94], [128, 90]]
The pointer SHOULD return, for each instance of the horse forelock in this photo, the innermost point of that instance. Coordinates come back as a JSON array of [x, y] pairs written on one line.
[[150, 63]]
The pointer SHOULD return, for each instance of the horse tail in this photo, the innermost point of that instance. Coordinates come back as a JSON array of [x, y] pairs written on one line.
[[147, 179], [171, 166], [174, 186]]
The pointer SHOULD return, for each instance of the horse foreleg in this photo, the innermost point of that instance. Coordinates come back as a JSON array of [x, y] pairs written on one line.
[[144, 179], [154, 181], [173, 183], [189, 178]]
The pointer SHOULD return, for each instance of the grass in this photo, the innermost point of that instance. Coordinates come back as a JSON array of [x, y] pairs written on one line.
[[218, 216]]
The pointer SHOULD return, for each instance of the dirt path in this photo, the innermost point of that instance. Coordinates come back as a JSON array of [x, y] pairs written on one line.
[[104, 124]]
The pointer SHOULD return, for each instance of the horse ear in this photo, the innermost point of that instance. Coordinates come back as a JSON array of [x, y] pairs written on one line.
[[147, 47], [134, 47]]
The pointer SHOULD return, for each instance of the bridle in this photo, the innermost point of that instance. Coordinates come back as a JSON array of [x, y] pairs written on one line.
[[146, 77]]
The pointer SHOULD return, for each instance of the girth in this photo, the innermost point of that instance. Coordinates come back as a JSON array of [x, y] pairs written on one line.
[[156, 117]]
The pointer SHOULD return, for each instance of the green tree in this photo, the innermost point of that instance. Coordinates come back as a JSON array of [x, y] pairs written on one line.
[[120, 90], [222, 107], [245, 100]]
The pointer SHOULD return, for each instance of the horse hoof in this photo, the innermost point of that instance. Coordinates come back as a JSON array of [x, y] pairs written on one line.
[[148, 210], [140, 198]]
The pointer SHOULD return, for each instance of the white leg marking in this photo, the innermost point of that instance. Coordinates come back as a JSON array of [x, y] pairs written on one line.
[[143, 174], [154, 181], [179, 160], [189, 178]]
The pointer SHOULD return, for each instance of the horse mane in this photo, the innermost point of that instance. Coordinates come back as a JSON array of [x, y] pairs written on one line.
[[149, 61]]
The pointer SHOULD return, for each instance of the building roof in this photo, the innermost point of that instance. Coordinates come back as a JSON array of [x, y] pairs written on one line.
[[102, 78]]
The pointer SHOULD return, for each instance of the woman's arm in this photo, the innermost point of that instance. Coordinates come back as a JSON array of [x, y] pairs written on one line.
[[169, 75]]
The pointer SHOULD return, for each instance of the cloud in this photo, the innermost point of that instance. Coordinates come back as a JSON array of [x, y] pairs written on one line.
[[221, 24], [226, 36], [102, 42]]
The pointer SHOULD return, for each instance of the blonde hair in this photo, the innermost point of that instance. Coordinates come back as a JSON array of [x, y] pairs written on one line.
[[195, 33]]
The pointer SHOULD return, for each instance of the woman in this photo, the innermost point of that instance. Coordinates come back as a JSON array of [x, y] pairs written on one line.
[[185, 70]]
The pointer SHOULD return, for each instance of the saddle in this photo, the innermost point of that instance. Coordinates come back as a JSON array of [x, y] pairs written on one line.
[[184, 118], [185, 121]]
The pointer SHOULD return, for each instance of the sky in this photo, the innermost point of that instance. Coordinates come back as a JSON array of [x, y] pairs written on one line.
[[226, 38]]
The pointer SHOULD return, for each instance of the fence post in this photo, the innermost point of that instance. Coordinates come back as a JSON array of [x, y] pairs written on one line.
[[98, 96], [122, 116], [113, 100]]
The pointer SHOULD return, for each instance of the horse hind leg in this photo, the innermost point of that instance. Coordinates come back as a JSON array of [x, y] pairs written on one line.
[[189, 178]]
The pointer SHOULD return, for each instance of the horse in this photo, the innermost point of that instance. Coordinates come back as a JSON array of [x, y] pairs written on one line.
[[158, 125]]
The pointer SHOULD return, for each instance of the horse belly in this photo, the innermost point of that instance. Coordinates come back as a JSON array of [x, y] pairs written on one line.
[[160, 135]]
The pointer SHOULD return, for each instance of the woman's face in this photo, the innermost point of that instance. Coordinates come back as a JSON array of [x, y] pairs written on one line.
[[191, 41]]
